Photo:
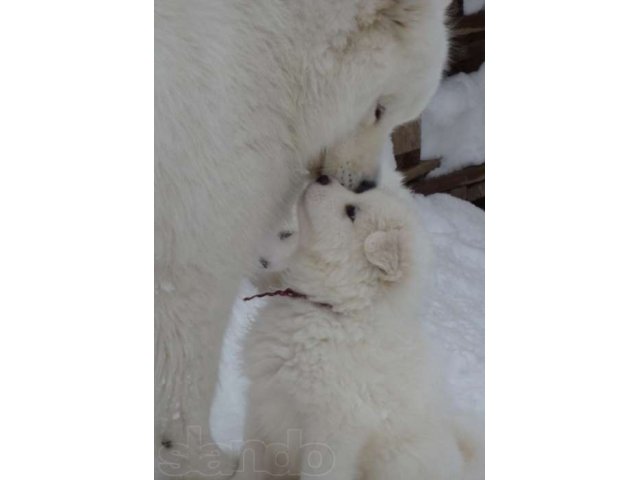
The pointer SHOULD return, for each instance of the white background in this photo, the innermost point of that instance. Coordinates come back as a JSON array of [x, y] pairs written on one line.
[[76, 197]]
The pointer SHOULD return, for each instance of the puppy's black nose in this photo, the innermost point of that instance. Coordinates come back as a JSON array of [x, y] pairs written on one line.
[[323, 180]]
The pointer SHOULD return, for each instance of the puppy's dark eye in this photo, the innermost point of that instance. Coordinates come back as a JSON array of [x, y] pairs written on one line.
[[379, 112], [350, 210]]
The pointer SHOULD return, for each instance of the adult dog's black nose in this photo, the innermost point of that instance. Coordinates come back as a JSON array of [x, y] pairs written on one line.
[[323, 180], [365, 185]]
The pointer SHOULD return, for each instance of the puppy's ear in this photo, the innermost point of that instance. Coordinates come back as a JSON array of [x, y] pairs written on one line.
[[385, 250]]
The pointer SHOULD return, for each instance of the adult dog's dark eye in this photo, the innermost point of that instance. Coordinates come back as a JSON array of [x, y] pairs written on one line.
[[350, 210], [379, 112]]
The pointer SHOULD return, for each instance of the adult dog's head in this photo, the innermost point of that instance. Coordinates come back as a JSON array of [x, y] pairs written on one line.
[[381, 63]]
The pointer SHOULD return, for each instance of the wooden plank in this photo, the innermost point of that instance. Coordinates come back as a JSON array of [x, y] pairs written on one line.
[[405, 161], [406, 137], [420, 170], [455, 8], [459, 192], [475, 192], [467, 53], [468, 24], [450, 181]]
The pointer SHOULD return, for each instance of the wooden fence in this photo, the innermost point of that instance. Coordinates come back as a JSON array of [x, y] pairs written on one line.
[[467, 55]]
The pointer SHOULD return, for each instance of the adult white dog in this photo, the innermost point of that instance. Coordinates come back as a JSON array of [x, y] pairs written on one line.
[[252, 95]]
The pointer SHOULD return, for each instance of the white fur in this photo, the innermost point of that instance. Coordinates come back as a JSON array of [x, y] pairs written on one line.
[[352, 391], [250, 96], [276, 249]]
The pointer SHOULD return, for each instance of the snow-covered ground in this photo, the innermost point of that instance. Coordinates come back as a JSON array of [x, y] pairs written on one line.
[[455, 307], [454, 316], [453, 123], [472, 6]]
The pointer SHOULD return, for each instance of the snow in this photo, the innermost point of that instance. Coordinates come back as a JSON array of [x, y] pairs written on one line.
[[472, 6], [455, 306], [227, 410], [454, 316], [453, 123]]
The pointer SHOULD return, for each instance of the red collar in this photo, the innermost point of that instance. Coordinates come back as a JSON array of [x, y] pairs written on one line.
[[285, 293]]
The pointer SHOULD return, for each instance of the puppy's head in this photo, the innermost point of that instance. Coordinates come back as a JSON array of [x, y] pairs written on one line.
[[352, 247]]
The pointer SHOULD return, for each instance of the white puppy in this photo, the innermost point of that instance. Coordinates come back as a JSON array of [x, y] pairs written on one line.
[[343, 384]]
